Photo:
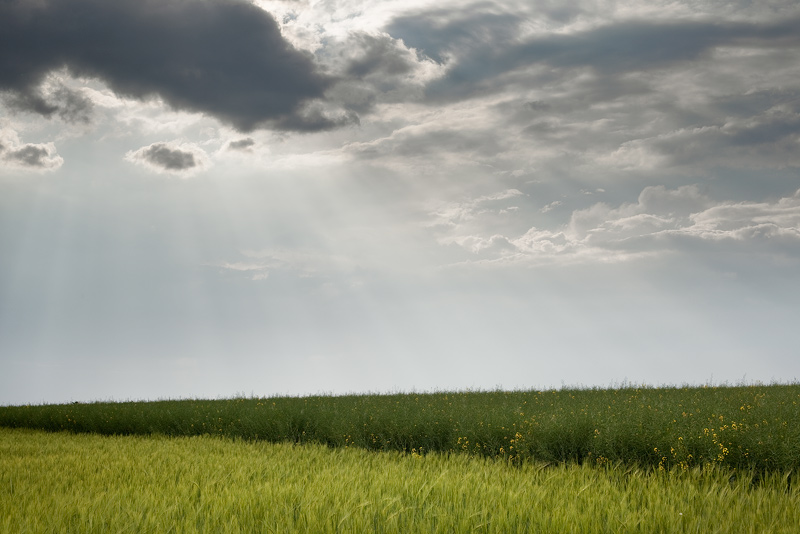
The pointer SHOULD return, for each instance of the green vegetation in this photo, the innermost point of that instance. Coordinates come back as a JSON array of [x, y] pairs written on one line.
[[82, 483], [745, 427]]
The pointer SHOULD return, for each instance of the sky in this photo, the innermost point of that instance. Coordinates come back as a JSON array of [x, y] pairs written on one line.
[[212, 198]]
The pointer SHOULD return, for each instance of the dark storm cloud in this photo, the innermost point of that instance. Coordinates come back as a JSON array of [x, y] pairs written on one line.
[[480, 48], [226, 58]]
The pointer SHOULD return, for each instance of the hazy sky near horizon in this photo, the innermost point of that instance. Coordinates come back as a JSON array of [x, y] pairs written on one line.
[[204, 198]]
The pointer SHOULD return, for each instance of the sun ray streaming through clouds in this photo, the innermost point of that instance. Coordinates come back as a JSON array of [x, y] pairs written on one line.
[[209, 197]]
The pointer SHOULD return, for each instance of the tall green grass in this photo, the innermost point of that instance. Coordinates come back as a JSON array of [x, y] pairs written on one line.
[[743, 427], [81, 483]]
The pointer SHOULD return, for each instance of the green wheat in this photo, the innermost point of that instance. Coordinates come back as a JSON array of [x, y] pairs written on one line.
[[83, 483]]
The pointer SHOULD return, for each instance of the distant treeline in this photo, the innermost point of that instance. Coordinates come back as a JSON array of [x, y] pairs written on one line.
[[755, 427]]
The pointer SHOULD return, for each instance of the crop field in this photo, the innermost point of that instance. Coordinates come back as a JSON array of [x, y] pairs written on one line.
[[87, 483], [753, 427], [704, 459]]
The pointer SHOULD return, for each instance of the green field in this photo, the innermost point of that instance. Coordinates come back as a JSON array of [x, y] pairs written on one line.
[[705, 459], [747, 427], [65, 482]]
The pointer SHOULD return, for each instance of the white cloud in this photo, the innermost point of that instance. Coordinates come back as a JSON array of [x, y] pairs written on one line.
[[549, 207], [453, 214], [661, 221]]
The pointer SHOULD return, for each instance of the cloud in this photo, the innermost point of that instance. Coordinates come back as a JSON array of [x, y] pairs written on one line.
[[551, 206], [662, 221], [372, 69], [181, 159], [455, 214], [51, 98], [242, 145], [481, 47], [41, 156], [771, 139], [459, 139], [630, 90], [377, 54], [442, 34], [27, 156], [224, 58]]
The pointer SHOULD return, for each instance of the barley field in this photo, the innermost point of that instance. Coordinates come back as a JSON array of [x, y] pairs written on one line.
[[88, 483]]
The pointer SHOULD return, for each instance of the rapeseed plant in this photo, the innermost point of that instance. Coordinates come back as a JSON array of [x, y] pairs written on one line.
[[743, 427]]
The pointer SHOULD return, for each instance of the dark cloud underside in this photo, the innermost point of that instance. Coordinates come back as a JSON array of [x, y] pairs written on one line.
[[226, 58]]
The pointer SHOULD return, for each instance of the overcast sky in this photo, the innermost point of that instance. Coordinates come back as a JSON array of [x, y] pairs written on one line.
[[204, 198]]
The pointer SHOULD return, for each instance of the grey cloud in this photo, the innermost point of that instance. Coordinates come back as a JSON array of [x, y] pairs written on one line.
[[768, 131], [242, 144], [538, 105], [377, 55], [479, 47], [422, 142], [769, 140], [32, 156], [225, 58], [621, 47], [173, 160], [70, 105], [439, 33], [73, 106], [31, 101], [169, 157], [757, 102], [373, 69]]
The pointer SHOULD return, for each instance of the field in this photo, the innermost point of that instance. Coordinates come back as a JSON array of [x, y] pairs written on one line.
[[85, 483], [748, 427], [708, 459]]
